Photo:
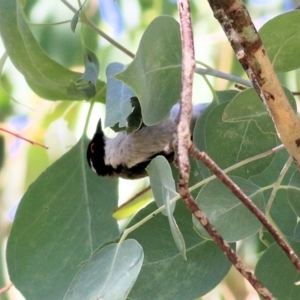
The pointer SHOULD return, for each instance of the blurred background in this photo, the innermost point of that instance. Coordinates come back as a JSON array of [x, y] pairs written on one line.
[[59, 124]]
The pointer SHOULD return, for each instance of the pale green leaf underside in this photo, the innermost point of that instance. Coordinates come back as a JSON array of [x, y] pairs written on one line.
[[108, 274]]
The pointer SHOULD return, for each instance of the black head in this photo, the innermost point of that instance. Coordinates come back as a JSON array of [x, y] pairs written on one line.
[[95, 153]]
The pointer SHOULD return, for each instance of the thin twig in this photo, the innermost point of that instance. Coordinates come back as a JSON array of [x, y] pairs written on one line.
[[137, 195], [204, 158], [6, 288], [85, 20], [277, 185], [23, 138]]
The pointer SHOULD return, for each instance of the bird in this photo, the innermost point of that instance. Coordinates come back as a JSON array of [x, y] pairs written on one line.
[[128, 155]]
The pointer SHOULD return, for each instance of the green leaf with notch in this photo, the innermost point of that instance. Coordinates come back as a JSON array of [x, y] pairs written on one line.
[[281, 38], [155, 73], [228, 214]]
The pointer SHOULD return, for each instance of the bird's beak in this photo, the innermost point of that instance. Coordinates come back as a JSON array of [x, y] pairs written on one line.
[[99, 128]]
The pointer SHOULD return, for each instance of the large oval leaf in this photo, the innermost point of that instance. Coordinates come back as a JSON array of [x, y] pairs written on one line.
[[228, 214], [281, 38], [109, 274], [204, 268], [64, 216], [278, 273]]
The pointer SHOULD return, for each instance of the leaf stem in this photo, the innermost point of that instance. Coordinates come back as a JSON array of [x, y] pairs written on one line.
[[277, 185], [85, 20], [219, 74]]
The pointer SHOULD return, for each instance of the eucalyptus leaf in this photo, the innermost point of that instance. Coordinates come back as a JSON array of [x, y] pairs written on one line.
[[281, 38], [62, 219], [163, 186], [204, 268], [75, 20], [230, 142], [282, 213], [278, 273], [118, 95], [109, 274], [271, 173], [294, 192], [162, 182], [85, 86], [45, 76], [228, 214], [154, 75], [246, 106]]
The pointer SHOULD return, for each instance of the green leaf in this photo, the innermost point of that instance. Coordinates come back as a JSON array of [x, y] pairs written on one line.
[[2, 151], [282, 214], [281, 38], [118, 95], [247, 106], [271, 173], [85, 86], [294, 193], [228, 215], [205, 267], [278, 273], [109, 273], [156, 68], [45, 76], [64, 216], [75, 20], [162, 182], [163, 187], [228, 143]]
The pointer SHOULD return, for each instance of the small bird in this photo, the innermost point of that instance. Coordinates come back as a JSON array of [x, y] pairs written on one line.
[[128, 155]]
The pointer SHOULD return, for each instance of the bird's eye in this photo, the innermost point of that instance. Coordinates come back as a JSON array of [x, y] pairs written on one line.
[[92, 148]]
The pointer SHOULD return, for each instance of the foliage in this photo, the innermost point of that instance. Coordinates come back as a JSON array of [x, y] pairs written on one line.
[[64, 242]]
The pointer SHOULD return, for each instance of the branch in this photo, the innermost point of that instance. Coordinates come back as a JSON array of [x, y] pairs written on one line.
[[245, 41], [6, 288], [23, 138], [204, 158], [183, 143]]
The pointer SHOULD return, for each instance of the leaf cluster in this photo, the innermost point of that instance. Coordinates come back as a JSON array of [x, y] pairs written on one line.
[[65, 243]]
